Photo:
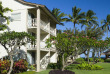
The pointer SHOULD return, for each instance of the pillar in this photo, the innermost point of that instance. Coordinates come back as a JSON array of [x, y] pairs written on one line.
[[49, 37], [38, 40]]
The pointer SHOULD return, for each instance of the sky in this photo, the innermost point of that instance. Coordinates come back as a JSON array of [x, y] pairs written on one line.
[[100, 7]]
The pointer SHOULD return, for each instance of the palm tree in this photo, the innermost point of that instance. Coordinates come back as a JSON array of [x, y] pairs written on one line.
[[90, 19], [76, 17], [60, 16], [106, 24]]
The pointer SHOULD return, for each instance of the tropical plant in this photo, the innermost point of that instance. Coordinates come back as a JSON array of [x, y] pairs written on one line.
[[85, 66], [59, 15], [20, 66], [106, 24], [95, 33], [4, 66], [2, 11], [80, 60], [90, 19], [76, 17]]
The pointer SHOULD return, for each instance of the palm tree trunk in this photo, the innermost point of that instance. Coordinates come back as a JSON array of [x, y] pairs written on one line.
[[74, 28], [107, 33], [86, 30]]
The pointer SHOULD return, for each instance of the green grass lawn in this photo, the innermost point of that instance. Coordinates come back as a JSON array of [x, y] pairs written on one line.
[[32, 72], [106, 70]]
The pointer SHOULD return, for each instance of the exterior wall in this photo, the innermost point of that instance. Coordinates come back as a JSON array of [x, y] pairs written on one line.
[[19, 25], [53, 57], [3, 52], [14, 5], [44, 37]]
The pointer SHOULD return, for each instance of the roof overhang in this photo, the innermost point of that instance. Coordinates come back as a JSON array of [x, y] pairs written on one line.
[[41, 6]]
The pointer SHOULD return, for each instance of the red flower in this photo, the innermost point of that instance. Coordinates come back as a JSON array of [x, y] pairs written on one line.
[[0, 64]]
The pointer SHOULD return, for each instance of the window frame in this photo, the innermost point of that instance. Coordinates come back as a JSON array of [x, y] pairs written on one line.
[[16, 14]]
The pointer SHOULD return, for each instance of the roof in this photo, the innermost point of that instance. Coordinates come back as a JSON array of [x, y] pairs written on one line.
[[42, 6]]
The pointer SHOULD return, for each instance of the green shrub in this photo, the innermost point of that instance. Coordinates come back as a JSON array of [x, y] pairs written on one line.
[[31, 67], [101, 60], [91, 59], [4, 66], [20, 66], [107, 60], [85, 66], [80, 60], [72, 66], [52, 66]]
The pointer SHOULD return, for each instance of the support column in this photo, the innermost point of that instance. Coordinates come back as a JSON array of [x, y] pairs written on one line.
[[26, 25], [49, 37], [38, 40]]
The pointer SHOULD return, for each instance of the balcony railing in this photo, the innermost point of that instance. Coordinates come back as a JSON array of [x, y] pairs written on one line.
[[32, 22], [42, 46]]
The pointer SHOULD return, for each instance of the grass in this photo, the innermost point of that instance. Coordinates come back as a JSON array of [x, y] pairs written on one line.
[[106, 70], [33, 72]]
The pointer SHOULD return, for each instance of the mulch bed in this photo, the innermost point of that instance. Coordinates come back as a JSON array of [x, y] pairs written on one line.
[[61, 72], [76, 63]]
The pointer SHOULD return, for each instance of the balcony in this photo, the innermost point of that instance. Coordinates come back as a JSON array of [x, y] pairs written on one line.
[[42, 47], [32, 23]]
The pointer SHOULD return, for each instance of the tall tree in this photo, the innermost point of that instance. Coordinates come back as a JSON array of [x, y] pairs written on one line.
[[69, 45], [90, 19], [76, 17], [95, 33], [106, 24], [59, 15]]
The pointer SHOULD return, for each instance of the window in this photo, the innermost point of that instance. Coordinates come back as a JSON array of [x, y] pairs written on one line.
[[16, 16]]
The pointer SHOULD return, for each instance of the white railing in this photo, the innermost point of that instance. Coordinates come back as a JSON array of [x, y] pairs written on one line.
[[42, 45], [32, 22], [30, 46]]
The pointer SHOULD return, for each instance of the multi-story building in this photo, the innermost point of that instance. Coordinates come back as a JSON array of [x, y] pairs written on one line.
[[37, 20]]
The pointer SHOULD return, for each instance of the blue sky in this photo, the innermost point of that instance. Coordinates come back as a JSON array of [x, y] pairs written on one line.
[[100, 7]]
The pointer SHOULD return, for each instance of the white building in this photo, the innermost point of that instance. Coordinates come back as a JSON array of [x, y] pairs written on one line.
[[37, 20]]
